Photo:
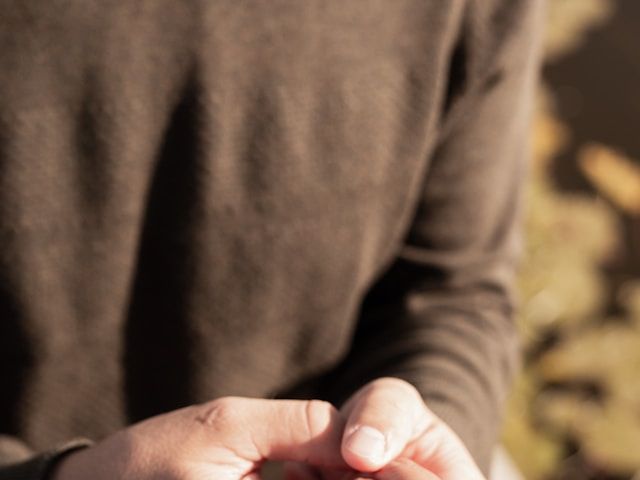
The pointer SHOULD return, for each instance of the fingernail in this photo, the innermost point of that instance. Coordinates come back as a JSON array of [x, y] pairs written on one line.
[[367, 442]]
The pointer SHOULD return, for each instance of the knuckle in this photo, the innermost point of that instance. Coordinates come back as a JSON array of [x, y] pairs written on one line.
[[394, 405], [220, 414], [393, 382], [393, 392]]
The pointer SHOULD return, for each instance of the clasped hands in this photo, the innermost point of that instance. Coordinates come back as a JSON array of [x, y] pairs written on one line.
[[384, 432]]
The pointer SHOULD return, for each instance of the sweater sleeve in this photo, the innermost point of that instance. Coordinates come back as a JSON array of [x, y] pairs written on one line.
[[441, 316], [17, 464]]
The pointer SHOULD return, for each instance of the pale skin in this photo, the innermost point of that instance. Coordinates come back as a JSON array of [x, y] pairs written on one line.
[[385, 431]]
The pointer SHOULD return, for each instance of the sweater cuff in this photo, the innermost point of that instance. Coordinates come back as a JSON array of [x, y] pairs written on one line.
[[39, 466]]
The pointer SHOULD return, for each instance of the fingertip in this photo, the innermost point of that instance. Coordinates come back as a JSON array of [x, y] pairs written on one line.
[[365, 448], [381, 421]]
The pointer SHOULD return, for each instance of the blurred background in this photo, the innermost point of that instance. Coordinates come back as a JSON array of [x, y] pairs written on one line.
[[575, 410]]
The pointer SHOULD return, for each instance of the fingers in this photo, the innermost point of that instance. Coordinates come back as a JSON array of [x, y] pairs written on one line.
[[405, 470], [280, 430], [382, 419], [442, 452]]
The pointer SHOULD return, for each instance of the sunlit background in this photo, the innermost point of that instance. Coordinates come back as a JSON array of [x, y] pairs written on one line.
[[575, 410]]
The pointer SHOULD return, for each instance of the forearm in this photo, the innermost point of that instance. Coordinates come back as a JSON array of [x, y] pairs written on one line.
[[441, 317]]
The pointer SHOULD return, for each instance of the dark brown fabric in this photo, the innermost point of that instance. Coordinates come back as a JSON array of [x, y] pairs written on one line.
[[39, 465], [259, 198]]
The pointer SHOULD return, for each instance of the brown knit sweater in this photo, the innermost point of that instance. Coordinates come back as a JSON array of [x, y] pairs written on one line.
[[256, 197]]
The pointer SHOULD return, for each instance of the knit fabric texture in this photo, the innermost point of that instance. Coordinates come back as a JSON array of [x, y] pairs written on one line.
[[261, 198]]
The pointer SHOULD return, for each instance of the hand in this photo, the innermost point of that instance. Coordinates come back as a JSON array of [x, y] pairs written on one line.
[[404, 469], [387, 419], [400, 469], [225, 439]]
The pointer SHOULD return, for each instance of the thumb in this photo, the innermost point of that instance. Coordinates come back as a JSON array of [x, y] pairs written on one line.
[[382, 419], [280, 430]]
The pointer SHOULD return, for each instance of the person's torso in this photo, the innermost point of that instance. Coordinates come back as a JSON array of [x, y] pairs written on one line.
[[195, 195]]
